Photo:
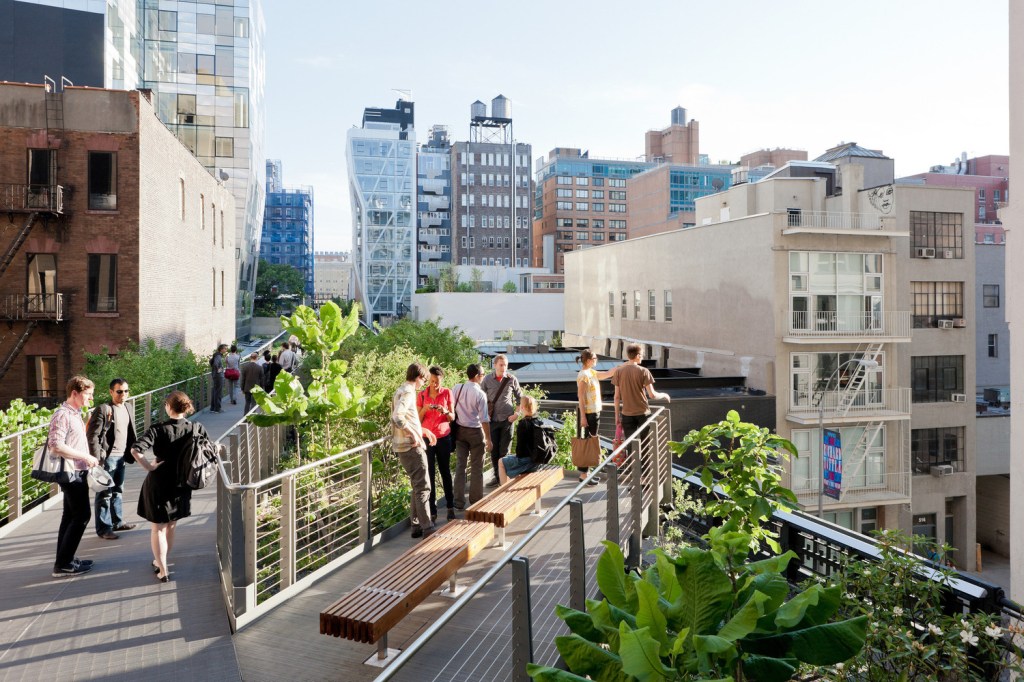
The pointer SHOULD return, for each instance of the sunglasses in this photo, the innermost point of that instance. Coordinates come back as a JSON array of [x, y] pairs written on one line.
[[122, 392]]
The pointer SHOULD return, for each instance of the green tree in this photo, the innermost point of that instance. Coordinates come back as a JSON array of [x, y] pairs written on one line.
[[476, 279], [431, 342], [509, 287], [144, 367], [286, 278], [447, 278]]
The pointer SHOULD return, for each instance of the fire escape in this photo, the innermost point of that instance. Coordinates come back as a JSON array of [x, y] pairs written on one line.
[[27, 205]]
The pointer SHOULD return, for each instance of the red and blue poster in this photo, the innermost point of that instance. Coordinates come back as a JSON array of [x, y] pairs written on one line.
[[832, 454]]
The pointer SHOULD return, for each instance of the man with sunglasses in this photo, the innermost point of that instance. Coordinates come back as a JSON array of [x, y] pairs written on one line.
[[111, 434]]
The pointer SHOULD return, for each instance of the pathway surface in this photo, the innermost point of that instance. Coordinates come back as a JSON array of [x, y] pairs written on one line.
[[117, 622]]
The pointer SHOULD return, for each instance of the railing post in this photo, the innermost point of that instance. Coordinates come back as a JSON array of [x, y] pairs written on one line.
[[667, 493], [14, 480], [577, 556], [147, 417], [365, 472], [522, 618], [636, 503], [655, 453], [288, 539], [232, 456], [612, 522]]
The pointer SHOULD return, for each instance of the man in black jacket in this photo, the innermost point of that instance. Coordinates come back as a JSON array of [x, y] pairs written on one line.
[[111, 434]]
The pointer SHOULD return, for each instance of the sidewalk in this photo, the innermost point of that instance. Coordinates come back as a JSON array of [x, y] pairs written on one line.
[[117, 622]]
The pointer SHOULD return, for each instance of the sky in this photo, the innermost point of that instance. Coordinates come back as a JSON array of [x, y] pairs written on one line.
[[922, 80]]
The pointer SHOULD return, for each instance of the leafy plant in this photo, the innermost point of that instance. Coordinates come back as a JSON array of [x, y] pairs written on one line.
[[702, 615], [21, 416], [431, 342], [287, 280], [685, 506], [509, 287], [744, 461], [145, 366]]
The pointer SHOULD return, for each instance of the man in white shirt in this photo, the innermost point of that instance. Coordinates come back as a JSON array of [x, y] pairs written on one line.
[[286, 358], [473, 437], [407, 436]]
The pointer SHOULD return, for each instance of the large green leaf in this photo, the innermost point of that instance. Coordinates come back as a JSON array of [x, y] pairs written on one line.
[[615, 584], [542, 673], [607, 618], [710, 648], [744, 621], [639, 652], [706, 592], [649, 614], [818, 645], [767, 669], [814, 606], [580, 623], [584, 657], [668, 583]]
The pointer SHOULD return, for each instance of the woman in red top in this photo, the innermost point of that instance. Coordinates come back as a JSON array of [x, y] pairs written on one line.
[[436, 415]]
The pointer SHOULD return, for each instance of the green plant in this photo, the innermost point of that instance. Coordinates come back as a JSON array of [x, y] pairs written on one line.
[[145, 367], [431, 342], [21, 416], [744, 461], [509, 287], [702, 615], [685, 506], [274, 280]]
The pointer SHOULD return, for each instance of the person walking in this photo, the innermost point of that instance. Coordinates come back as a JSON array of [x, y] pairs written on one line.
[[407, 438], [111, 434], [252, 375], [472, 437], [286, 358], [270, 372], [164, 500], [503, 395], [633, 384], [435, 409], [217, 375], [588, 391], [525, 460], [67, 439], [232, 371]]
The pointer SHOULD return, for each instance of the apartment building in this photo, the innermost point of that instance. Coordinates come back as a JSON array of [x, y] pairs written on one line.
[[579, 202], [434, 205], [663, 198], [332, 276], [287, 237], [853, 308], [679, 143], [99, 202]]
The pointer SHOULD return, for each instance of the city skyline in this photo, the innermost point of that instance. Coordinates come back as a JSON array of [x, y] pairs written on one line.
[[775, 77]]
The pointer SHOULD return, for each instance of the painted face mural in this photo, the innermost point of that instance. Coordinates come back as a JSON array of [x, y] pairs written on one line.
[[882, 199]]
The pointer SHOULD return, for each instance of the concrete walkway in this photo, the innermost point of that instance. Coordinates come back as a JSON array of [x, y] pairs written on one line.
[[117, 622]]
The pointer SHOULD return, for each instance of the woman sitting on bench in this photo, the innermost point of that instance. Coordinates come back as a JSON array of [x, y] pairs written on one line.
[[525, 459]]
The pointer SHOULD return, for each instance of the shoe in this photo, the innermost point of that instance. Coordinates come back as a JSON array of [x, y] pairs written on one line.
[[451, 513], [109, 535], [417, 532], [71, 570], [163, 579], [82, 562], [493, 483], [125, 526], [156, 569], [593, 481], [433, 518], [215, 411], [234, 402]]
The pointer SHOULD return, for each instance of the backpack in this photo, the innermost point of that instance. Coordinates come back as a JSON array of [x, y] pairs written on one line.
[[199, 463], [544, 444]]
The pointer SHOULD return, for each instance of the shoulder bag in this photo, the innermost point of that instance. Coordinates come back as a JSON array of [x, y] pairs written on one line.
[[586, 451], [51, 468], [455, 410], [501, 393]]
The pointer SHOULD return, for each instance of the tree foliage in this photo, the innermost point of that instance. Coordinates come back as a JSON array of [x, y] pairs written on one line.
[[431, 342], [286, 278], [144, 367]]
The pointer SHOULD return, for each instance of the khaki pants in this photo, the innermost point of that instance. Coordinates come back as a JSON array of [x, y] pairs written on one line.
[[415, 463], [469, 450]]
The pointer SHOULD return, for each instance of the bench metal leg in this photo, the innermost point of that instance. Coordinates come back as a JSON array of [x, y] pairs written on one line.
[[538, 507], [499, 539], [384, 655], [453, 591]]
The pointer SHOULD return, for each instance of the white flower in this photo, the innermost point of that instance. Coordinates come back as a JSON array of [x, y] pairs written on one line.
[[897, 611], [993, 630], [965, 623], [862, 669], [896, 584], [969, 637], [839, 667], [867, 571], [934, 629], [851, 596]]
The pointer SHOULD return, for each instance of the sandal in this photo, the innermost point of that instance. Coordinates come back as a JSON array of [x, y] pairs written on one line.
[[156, 569]]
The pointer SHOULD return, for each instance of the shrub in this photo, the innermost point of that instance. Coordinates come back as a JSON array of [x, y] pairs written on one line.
[[144, 367]]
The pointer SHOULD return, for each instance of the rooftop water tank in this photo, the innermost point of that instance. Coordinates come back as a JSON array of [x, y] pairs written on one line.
[[501, 107], [679, 116], [477, 110]]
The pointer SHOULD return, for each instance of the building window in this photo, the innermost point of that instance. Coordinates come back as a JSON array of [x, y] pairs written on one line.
[[213, 274], [102, 283], [42, 282], [42, 377], [42, 169], [813, 373], [652, 303], [934, 301], [597, 207], [668, 305], [623, 297], [202, 211], [835, 291], [993, 345], [563, 193], [935, 378], [636, 304], [611, 304], [564, 180], [617, 208], [862, 468], [222, 288], [582, 194], [563, 206], [943, 233], [582, 181], [937, 447], [582, 206], [617, 196], [990, 293], [102, 181], [181, 196]]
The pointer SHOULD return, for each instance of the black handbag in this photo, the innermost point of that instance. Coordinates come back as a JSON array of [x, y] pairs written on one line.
[[455, 410]]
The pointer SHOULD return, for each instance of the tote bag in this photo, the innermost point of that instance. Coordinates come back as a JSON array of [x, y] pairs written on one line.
[[51, 468]]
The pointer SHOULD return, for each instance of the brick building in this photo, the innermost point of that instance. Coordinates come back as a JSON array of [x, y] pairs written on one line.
[[112, 232], [989, 177]]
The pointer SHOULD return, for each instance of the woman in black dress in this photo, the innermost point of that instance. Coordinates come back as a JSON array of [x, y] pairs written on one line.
[[163, 499]]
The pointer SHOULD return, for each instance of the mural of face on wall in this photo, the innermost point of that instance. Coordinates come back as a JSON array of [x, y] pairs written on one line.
[[882, 199]]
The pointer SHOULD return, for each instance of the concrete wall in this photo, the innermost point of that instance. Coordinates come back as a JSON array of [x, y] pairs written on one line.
[[990, 268], [486, 316], [993, 445], [1012, 216], [266, 326]]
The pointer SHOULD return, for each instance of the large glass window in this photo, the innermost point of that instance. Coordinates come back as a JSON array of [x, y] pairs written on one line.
[[942, 233], [814, 374], [652, 303], [835, 291], [636, 305], [990, 292], [936, 447], [102, 181], [863, 466], [611, 304], [935, 378], [102, 283], [668, 305], [624, 305], [934, 301]]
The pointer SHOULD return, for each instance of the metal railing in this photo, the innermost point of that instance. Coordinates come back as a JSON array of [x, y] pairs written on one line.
[[23, 493], [32, 307], [864, 404], [830, 220], [16, 197], [835, 324], [553, 563]]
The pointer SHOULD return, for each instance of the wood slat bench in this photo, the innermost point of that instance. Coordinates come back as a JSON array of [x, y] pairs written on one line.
[[368, 612], [514, 497]]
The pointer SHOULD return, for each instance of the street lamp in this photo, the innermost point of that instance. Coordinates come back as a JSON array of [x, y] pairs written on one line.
[[866, 364]]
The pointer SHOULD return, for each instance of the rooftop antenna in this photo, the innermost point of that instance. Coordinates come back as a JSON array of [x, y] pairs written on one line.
[[405, 94]]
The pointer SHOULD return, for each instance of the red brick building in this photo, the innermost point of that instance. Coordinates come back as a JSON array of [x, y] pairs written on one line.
[[989, 177], [110, 232]]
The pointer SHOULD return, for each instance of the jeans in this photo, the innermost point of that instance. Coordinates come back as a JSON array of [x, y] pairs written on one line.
[[501, 440], [250, 402], [108, 503], [218, 388], [73, 521], [415, 463], [441, 456], [593, 421], [469, 450]]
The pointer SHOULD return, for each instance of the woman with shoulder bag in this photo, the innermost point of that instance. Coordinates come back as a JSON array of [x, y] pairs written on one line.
[[588, 391], [233, 365], [436, 415]]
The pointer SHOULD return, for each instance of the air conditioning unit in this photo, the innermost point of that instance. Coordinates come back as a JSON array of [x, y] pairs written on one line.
[[959, 397], [945, 324], [948, 253], [924, 252], [959, 322], [942, 470]]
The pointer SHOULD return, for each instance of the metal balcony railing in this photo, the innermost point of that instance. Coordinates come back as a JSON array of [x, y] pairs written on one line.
[[25, 198], [832, 324], [866, 403], [32, 307], [829, 220]]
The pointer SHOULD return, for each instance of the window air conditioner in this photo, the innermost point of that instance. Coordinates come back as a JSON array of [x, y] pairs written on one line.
[[945, 324], [960, 322], [924, 252], [959, 397], [942, 470]]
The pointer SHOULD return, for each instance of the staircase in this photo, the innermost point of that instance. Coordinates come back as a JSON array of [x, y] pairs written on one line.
[[849, 395], [54, 111], [13, 355], [19, 239], [859, 451]]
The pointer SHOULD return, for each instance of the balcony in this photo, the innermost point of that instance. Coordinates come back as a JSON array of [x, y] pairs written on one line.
[[31, 198], [841, 407], [428, 219], [865, 482], [834, 327], [430, 254], [15, 307], [433, 186], [429, 238], [441, 203], [829, 222]]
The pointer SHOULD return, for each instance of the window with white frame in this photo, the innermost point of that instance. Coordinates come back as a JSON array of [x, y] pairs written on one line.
[[835, 291], [862, 467], [814, 380]]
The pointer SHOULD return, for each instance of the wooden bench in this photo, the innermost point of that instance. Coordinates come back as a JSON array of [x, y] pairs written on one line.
[[514, 497], [368, 612]]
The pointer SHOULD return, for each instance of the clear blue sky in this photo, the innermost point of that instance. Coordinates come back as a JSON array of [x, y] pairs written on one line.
[[921, 80]]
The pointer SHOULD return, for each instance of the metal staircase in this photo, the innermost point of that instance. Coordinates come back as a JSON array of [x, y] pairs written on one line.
[[849, 394], [19, 239], [13, 354]]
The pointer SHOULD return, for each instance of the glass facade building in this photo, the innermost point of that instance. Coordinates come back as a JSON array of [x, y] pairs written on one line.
[[687, 183], [381, 158], [434, 202], [287, 237]]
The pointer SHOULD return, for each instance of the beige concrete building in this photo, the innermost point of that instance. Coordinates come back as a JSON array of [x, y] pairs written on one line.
[[332, 275], [848, 307]]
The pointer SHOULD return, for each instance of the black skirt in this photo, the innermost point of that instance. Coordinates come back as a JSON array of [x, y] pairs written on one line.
[[163, 501]]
